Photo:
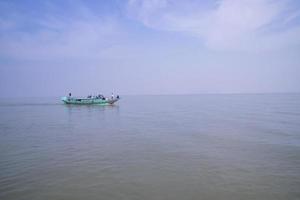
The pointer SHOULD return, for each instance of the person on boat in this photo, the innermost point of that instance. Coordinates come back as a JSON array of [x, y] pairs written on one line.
[[100, 96], [69, 97], [118, 97], [112, 95]]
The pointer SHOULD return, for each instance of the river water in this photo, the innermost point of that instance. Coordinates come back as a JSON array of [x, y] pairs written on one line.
[[152, 148]]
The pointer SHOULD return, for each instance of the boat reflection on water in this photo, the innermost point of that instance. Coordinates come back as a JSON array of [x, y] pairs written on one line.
[[90, 112]]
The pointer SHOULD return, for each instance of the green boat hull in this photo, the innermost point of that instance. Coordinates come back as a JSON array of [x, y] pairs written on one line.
[[88, 101]]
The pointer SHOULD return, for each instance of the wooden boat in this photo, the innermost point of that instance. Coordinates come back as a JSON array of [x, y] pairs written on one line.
[[90, 100]]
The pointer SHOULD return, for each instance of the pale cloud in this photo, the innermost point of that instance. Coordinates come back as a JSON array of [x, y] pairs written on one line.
[[60, 37], [6, 24], [75, 39], [249, 25]]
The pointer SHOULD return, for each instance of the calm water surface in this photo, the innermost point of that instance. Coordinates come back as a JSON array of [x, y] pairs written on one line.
[[152, 147]]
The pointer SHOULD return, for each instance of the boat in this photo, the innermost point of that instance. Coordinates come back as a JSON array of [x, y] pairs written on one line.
[[101, 100]]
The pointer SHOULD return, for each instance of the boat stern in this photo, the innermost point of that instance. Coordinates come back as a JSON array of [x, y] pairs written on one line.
[[64, 99]]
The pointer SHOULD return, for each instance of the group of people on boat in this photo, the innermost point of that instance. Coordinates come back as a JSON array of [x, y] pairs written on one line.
[[112, 96], [100, 96]]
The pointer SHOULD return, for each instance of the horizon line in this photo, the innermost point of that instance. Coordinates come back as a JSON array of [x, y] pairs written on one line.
[[168, 94]]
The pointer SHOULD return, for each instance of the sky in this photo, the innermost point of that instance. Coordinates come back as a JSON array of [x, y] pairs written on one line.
[[53, 47]]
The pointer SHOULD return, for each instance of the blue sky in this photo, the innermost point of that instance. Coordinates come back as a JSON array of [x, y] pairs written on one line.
[[48, 48]]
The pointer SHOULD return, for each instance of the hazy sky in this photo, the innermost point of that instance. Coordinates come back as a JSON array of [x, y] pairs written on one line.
[[50, 48]]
